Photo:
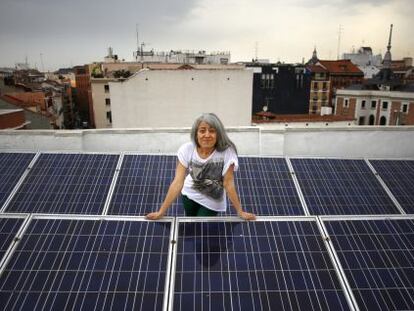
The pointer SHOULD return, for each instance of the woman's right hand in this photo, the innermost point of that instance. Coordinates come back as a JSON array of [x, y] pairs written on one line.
[[154, 215]]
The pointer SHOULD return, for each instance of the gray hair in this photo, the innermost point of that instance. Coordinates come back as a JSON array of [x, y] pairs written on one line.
[[223, 141]]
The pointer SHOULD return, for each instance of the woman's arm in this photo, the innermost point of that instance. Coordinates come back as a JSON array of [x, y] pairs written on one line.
[[228, 184], [173, 191]]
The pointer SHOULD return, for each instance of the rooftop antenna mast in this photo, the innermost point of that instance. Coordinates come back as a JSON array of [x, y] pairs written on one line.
[[41, 61], [256, 50], [136, 28], [339, 40]]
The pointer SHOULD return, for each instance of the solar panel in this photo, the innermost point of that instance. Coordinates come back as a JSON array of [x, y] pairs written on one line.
[[399, 177], [266, 187], [142, 184], [80, 264], [8, 230], [66, 183], [341, 187], [12, 167], [262, 265], [378, 260]]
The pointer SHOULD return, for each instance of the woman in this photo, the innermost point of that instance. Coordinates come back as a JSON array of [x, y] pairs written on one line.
[[211, 159]]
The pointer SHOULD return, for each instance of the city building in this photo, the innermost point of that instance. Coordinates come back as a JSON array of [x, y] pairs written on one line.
[[280, 88], [403, 69], [327, 77], [368, 63], [82, 96], [175, 97], [377, 107], [182, 57], [16, 116], [386, 99], [13, 119]]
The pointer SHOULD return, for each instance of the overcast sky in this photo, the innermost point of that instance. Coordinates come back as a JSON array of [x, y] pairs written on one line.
[[69, 33]]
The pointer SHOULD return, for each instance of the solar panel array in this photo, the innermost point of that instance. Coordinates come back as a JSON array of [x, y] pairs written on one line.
[[266, 187], [8, 231], [341, 187], [12, 167], [399, 177], [77, 264], [378, 259], [283, 261], [66, 184], [142, 184], [269, 265]]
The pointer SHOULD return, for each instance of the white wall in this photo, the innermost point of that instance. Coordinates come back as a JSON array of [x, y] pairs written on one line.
[[174, 98], [350, 142], [99, 104]]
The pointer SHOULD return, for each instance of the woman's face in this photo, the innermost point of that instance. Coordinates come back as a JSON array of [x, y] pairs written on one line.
[[206, 135]]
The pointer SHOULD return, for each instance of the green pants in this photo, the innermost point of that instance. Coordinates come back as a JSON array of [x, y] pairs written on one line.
[[194, 209]]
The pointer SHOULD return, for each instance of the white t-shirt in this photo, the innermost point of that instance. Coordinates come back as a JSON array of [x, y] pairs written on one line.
[[204, 183]]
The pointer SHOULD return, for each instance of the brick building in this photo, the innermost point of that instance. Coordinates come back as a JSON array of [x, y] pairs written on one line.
[[327, 77], [377, 107], [82, 94]]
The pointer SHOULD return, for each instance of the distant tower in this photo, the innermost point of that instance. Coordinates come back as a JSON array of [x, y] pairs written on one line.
[[110, 52], [314, 58], [387, 57]]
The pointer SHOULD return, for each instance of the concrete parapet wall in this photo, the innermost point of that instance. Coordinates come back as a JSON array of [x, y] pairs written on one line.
[[349, 142]]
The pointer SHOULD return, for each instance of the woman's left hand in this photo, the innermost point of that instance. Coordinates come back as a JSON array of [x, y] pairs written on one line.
[[247, 216]]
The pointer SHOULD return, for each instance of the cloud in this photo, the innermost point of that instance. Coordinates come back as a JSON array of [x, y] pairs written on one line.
[[30, 16]]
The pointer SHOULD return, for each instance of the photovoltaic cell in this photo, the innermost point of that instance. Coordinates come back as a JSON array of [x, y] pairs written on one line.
[[399, 177], [12, 167], [269, 265], [8, 230], [66, 183], [87, 265], [341, 187], [266, 187], [378, 259], [142, 185]]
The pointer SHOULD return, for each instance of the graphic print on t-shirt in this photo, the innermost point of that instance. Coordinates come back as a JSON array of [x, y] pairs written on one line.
[[208, 177]]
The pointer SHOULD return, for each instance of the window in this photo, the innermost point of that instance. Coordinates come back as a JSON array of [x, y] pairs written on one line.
[[363, 104], [106, 88], [385, 105], [405, 108], [373, 104], [346, 103], [361, 121], [371, 120], [107, 101], [383, 120], [267, 81], [263, 81], [324, 86], [109, 116], [315, 85]]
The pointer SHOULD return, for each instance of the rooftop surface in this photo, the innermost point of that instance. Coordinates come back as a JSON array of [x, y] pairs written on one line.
[[335, 225]]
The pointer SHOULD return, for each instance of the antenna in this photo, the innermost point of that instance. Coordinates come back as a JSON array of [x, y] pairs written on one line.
[[256, 49], [136, 28], [339, 40], [41, 62]]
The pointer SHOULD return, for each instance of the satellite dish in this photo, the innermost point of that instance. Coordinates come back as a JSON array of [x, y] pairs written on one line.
[[264, 108]]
